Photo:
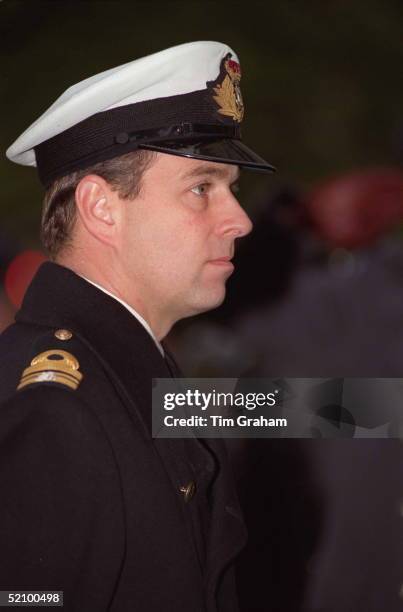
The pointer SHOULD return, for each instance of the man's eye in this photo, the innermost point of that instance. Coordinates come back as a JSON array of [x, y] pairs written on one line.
[[200, 190]]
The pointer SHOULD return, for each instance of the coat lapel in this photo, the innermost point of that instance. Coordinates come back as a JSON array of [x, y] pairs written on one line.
[[228, 534]]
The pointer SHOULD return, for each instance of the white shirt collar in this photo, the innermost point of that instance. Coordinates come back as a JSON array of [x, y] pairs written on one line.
[[130, 309]]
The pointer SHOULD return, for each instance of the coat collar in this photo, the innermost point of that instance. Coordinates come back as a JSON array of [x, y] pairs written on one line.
[[59, 298]]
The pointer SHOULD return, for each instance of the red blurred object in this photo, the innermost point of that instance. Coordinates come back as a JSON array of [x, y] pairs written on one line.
[[355, 209], [20, 273]]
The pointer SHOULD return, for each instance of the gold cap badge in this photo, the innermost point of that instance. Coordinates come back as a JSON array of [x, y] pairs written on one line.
[[228, 92]]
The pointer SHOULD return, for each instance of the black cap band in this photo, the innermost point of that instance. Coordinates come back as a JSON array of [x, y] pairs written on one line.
[[181, 132], [123, 129]]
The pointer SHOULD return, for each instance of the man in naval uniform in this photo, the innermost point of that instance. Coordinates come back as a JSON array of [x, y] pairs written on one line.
[[139, 165]]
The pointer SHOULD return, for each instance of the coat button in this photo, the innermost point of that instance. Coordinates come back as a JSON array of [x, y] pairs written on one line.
[[188, 491], [63, 334]]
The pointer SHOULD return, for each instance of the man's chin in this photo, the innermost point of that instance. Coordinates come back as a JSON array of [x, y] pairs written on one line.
[[213, 301]]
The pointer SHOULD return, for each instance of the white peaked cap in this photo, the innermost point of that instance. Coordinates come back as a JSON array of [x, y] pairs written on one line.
[[123, 97]]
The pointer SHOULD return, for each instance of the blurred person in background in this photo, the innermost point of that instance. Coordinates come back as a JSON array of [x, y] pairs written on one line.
[[341, 314]]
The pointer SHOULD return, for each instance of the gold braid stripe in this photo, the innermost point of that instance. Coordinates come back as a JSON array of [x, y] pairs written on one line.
[[52, 366]]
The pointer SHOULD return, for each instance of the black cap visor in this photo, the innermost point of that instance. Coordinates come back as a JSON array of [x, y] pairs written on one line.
[[223, 151]]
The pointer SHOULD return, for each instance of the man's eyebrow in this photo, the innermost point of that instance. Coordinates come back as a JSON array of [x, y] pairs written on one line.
[[209, 170]]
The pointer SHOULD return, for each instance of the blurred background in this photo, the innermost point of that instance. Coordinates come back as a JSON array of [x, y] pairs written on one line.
[[318, 287]]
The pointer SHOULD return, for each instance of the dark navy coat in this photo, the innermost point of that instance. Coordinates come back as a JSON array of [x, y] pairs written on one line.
[[91, 504]]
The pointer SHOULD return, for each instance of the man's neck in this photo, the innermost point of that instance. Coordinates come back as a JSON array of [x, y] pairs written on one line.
[[131, 310], [154, 322]]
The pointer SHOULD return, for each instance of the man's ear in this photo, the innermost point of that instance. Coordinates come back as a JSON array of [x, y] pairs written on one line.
[[96, 207]]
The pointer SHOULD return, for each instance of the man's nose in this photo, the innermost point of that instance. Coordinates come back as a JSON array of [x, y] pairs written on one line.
[[234, 221]]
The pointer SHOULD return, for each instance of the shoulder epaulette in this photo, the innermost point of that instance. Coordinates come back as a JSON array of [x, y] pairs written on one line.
[[53, 365]]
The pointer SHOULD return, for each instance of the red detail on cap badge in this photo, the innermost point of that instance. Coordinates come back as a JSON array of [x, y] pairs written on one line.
[[234, 67], [228, 93]]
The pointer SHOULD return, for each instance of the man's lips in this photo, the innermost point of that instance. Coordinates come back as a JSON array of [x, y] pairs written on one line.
[[222, 261]]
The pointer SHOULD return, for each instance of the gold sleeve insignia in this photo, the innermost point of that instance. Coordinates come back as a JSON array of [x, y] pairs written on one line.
[[52, 366]]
